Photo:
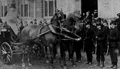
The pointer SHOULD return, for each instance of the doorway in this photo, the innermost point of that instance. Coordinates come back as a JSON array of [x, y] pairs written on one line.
[[89, 5]]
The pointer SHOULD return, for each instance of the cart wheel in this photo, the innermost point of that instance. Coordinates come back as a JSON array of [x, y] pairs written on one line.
[[6, 53]]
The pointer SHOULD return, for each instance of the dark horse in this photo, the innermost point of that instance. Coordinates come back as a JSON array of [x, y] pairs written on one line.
[[47, 35], [72, 25]]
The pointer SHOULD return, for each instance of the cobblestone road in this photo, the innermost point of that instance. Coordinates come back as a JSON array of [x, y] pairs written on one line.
[[41, 64]]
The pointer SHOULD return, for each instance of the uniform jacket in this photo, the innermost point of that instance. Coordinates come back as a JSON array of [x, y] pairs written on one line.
[[100, 36], [106, 31], [89, 34], [113, 38]]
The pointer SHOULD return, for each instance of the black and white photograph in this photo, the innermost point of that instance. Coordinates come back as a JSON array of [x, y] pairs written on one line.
[[59, 34]]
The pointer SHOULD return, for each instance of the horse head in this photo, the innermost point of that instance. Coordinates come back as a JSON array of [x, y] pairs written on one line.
[[58, 18], [57, 21]]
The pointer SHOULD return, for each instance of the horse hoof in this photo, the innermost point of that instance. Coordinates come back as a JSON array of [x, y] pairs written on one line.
[[47, 61], [53, 68], [55, 61], [74, 65], [23, 65], [30, 64], [64, 67]]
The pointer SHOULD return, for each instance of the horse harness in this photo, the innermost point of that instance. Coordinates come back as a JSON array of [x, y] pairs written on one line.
[[50, 27]]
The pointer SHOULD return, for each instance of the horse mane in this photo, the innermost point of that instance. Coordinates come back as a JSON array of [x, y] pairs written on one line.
[[54, 18], [69, 20]]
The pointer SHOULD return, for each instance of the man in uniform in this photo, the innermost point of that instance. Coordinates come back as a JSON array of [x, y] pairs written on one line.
[[118, 26], [100, 37], [113, 44], [89, 46], [88, 17], [78, 45], [106, 32], [94, 28], [118, 21]]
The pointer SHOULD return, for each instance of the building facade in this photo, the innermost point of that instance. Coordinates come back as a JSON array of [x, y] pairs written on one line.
[[30, 9], [39, 9], [108, 8]]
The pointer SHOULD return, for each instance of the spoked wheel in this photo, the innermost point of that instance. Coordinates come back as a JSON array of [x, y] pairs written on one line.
[[6, 53]]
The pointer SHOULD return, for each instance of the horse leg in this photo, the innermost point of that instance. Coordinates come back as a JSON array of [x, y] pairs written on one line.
[[29, 62], [23, 56], [71, 53], [72, 59], [55, 52], [28, 55], [63, 60], [47, 53], [51, 55]]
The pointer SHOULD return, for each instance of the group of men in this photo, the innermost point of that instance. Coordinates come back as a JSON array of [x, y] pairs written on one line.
[[101, 39]]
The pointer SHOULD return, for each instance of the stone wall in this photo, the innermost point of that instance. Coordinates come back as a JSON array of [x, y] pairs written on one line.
[[69, 6], [108, 8], [0, 9]]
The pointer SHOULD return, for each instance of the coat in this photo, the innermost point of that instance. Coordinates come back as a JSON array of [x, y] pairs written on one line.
[[89, 46], [113, 38]]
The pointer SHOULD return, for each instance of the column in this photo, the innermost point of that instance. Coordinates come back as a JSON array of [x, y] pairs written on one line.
[[34, 9], [48, 7]]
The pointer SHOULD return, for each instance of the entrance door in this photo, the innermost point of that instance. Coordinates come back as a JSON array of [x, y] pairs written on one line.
[[89, 5]]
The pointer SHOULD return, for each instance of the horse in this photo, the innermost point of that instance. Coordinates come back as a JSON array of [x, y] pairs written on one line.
[[68, 45], [47, 35]]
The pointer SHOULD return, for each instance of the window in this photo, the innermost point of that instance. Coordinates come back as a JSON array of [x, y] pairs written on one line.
[[3, 10], [46, 8], [24, 10], [49, 8], [21, 10]]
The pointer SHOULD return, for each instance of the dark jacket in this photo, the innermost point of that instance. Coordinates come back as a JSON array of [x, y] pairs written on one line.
[[106, 31], [100, 36], [118, 23], [101, 40], [89, 34], [113, 38]]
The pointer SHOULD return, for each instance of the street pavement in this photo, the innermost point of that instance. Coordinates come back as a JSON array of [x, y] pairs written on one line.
[[41, 64]]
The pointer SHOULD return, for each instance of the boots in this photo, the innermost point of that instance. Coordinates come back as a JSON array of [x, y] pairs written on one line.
[[115, 67], [102, 64], [98, 64]]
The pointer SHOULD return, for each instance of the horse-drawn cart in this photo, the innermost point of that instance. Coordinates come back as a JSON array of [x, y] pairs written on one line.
[[7, 46]]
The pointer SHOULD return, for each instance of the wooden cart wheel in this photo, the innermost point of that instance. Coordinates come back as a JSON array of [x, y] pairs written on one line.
[[6, 53]]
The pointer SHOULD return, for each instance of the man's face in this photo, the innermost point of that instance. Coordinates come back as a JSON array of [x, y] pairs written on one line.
[[104, 24], [95, 12], [94, 24], [87, 13], [88, 26], [112, 26], [99, 27]]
